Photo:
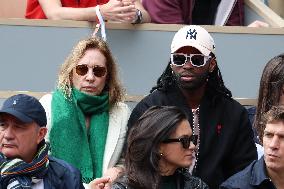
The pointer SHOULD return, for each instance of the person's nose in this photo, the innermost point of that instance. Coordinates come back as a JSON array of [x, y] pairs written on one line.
[[274, 143], [90, 77], [188, 65], [8, 133], [192, 146]]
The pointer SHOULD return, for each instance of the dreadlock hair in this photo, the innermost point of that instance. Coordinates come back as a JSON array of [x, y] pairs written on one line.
[[270, 90], [215, 80]]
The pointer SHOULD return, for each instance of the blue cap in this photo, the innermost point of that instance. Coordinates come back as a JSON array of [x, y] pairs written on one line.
[[26, 108]]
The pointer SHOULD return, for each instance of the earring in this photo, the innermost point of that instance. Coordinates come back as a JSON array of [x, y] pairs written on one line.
[[161, 154]]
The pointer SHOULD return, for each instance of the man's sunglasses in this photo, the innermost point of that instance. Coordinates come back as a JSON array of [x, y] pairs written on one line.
[[185, 141], [197, 60], [98, 71]]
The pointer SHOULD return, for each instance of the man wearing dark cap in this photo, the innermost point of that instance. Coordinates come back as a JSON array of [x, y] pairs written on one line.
[[24, 160]]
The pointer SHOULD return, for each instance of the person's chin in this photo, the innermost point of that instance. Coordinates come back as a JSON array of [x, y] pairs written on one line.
[[88, 92], [10, 154], [187, 85], [187, 162]]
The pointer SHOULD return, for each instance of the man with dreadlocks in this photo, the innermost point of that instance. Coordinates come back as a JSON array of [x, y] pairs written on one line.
[[193, 82]]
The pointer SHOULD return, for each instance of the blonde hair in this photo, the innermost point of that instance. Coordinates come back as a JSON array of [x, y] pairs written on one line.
[[113, 86]]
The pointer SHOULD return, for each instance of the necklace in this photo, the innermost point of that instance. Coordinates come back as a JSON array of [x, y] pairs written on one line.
[[196, 131]]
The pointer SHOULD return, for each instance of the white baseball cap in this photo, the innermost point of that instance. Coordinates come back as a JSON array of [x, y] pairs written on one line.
[[194, 36]]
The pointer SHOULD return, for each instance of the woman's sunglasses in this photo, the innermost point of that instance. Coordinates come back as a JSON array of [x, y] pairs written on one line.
[[197, 60], [185, 141], [98, 71]]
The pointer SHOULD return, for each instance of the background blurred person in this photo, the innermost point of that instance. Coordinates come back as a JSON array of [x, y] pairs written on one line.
[[201, 12], [130, 11], [271, 91]]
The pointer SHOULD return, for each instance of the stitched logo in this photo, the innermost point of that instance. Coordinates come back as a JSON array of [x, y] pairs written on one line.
[[219, 128], [191, 33]]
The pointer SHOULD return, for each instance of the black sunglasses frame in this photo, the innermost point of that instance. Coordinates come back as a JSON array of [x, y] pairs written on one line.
[[185, 141], [83, 69]]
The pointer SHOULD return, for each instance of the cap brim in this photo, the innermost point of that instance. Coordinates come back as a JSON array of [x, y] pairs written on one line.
[[202, 49], [22, 117]]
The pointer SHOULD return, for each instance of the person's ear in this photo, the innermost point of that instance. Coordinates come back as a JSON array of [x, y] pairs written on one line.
[[41, 134], [161, 149], [212, 65]]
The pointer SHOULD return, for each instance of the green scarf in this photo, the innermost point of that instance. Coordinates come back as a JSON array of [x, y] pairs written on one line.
[[70, 140]]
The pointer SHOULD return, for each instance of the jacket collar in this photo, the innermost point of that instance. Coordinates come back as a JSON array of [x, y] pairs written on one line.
[[259, 174], [55, 176]]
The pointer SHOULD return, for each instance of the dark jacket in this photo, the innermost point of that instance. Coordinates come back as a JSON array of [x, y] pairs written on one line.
[[62, 175], [183, 179], [226, 137], [252, 177]]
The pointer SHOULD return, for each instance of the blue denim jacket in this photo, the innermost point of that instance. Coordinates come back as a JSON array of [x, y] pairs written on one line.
[[252, 177]]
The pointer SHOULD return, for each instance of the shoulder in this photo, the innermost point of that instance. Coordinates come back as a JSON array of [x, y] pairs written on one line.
[[231, 102], [120, 106], [63, 175], [46, 99], [155, 98], [62, 166], [192, 181], [230, 105], [240, 179], [120, 109]]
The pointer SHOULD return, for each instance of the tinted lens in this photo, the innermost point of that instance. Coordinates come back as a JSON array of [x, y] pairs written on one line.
[[197, 60], [178, 59], [99, 71], [194, 139], [185, 142], [82, 69]]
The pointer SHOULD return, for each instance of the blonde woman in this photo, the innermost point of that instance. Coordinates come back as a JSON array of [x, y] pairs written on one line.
[[86, 116]]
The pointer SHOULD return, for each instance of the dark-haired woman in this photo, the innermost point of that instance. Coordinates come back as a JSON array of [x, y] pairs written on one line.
[[160, 147], [271, 90]]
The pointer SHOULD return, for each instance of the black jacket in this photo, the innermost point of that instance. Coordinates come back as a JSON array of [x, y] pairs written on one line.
[[226, 137], [183, 179]]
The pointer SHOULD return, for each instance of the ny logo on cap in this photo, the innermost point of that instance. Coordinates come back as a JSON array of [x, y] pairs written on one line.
[[192, 34], [15, 102]]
